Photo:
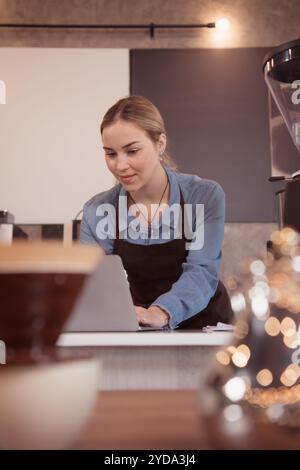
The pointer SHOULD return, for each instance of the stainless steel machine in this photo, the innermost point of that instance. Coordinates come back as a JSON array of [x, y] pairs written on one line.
[[281, 69]]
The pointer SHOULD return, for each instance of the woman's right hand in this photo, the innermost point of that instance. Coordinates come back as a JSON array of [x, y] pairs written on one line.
[[153, 316]]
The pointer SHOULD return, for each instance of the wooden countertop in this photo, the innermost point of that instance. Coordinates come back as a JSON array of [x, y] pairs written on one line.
[[144, 420], [170, 419]]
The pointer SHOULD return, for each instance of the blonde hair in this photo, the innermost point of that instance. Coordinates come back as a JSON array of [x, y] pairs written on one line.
[[139, 111]]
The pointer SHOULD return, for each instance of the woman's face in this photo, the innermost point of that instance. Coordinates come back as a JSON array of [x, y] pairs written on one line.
[[130, 154]]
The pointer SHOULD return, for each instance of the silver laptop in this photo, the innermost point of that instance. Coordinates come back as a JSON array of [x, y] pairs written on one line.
[[105, 303]]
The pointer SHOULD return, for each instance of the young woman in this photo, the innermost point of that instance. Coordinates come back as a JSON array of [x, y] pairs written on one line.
[[173, 277]]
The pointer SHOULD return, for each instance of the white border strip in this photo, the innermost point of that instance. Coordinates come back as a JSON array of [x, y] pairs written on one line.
[[146, 338]]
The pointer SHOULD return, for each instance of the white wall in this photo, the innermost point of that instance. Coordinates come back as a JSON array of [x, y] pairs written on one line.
[[51, 159]]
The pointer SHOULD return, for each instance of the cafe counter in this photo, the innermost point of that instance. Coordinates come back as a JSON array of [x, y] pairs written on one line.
[[148, 359]]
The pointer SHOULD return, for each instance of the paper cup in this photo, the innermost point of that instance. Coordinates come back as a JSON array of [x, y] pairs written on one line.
[[6, 234]]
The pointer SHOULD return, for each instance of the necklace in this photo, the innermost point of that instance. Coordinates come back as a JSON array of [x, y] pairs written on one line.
[[158, 206]]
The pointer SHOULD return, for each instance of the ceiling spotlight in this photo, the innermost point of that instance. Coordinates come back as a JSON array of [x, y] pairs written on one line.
[[223, 25]]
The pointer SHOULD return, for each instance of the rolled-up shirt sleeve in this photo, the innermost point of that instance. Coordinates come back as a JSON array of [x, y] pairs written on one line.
[[191, 293]]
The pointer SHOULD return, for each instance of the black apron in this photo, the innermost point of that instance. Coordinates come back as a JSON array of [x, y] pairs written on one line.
[[152, 269]]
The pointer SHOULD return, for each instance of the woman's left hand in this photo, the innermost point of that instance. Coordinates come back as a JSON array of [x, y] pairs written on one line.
[[152, 316]]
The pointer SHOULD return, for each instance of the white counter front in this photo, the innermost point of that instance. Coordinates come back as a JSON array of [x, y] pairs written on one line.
[[148, 360]]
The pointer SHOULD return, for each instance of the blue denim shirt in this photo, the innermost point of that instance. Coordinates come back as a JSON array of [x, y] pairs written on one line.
[[200, 272]]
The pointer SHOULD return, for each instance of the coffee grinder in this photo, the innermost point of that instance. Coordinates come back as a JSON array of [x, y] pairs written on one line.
[[281, 69]]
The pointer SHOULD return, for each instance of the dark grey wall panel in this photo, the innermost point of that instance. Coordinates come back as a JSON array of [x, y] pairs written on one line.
[[215, 105]]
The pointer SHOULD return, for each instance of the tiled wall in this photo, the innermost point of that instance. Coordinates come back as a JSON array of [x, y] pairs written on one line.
[[243, 241]]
